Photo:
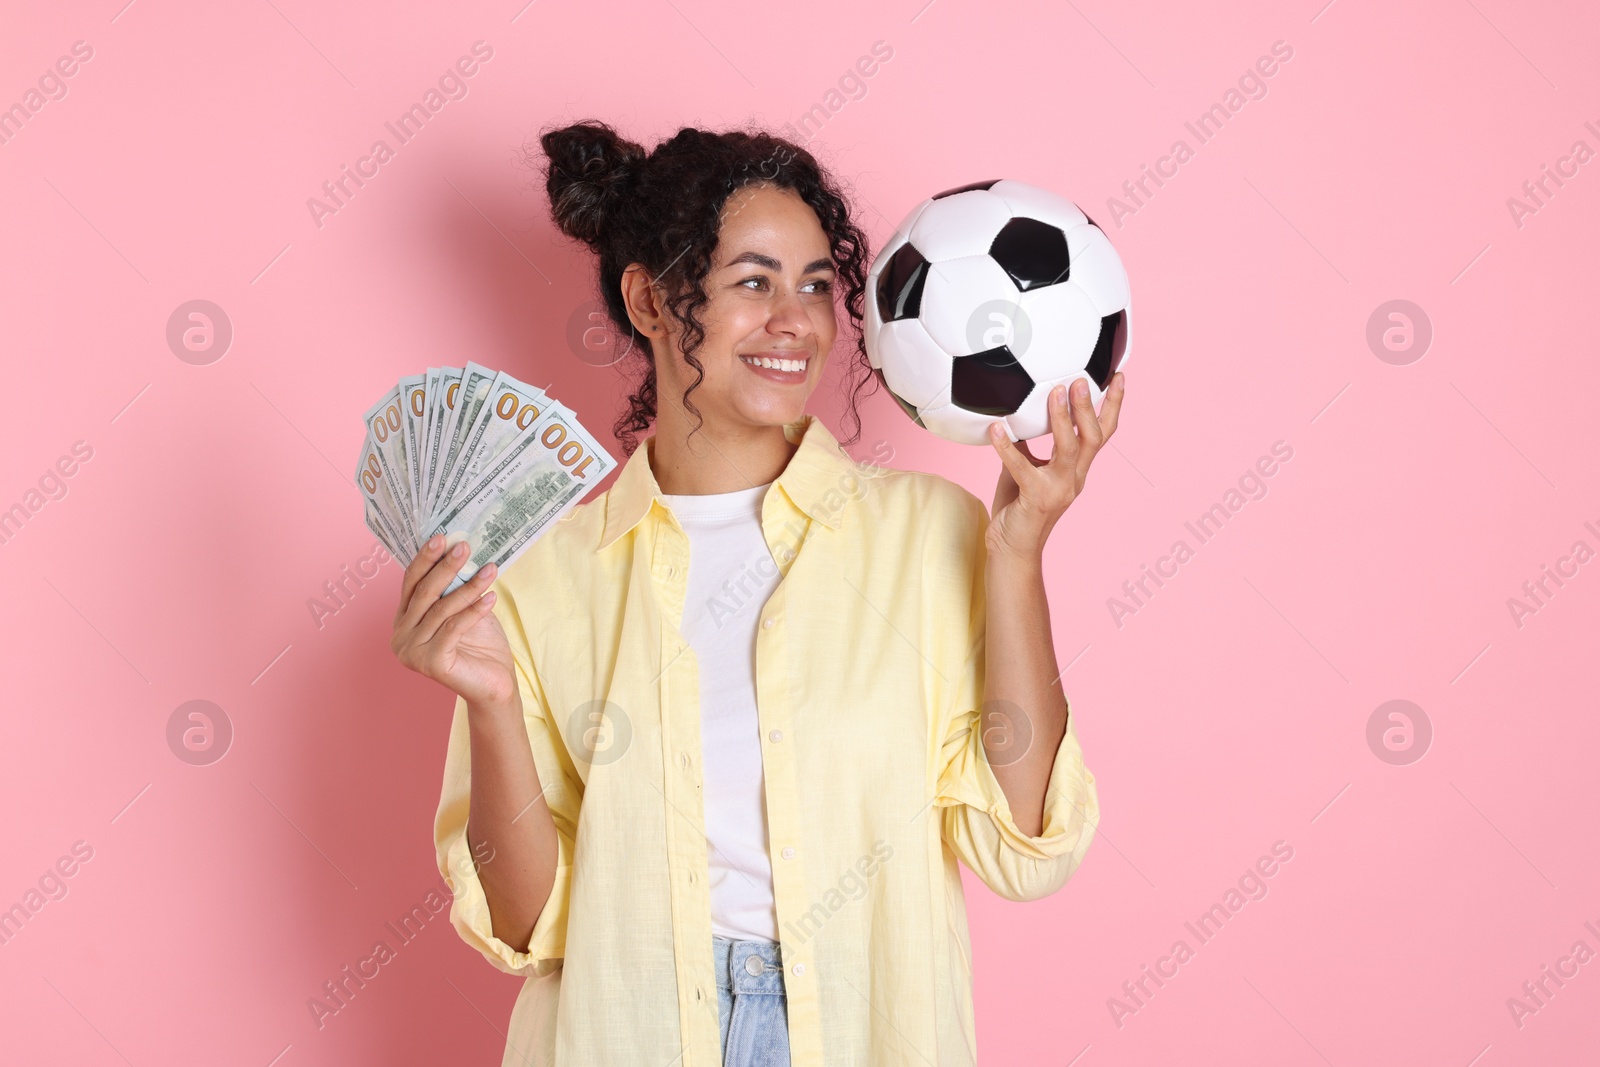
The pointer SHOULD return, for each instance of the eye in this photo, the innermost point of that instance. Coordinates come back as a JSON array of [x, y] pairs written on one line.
[[824, 285]]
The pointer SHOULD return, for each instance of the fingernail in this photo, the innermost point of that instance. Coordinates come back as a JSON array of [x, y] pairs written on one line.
[[460, 549], [435, 540], [1058, 394]]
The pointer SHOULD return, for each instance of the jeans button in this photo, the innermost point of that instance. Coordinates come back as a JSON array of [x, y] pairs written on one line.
[[754, 965]]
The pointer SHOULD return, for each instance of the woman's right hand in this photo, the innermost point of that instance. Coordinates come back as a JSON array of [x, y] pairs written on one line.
[[455, 640]]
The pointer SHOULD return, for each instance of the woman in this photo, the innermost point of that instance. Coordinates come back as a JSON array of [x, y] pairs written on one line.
[[717, 745]]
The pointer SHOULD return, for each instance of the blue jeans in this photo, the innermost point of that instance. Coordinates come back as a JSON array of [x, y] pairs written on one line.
[[753, 1011]]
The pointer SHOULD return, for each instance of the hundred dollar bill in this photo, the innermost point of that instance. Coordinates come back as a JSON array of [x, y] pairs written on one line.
[[475, 382], [444, 406], [430, 393], [413, 402], [384, 516], [380, 526], [386, 427], [508, 410], [535, 480]]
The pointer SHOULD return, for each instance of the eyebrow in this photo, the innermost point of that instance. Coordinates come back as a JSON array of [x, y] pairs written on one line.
[[771, 264]]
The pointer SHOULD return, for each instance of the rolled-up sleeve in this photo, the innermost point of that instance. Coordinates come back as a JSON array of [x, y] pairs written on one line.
[[469, 908], [978, 826], [976, 818]]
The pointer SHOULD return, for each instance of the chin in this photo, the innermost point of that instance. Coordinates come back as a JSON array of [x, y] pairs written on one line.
[[777, 412]]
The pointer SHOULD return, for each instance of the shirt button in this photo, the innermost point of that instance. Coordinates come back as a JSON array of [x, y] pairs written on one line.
[[775, 736], [788, 853], [754, 965], [799, 968], [767, 625], [671, 571]]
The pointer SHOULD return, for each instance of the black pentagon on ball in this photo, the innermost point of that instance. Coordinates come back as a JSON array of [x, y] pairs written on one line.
[[909, 409], [964, 189], [1033, 253], [989, 383], [900, 284], [1108, 348]]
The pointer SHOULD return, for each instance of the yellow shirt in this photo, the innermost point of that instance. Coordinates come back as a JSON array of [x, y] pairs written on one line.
[[869, 678]]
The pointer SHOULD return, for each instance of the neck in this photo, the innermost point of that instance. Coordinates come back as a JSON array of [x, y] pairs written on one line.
[[716, 459]]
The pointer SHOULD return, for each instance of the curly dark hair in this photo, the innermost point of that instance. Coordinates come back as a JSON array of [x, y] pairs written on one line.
[[663, 210]]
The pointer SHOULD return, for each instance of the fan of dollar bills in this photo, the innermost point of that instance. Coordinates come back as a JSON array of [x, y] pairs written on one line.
[[476, 455]]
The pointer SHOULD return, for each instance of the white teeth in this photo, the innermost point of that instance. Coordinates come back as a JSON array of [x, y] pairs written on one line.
[[776, 364]]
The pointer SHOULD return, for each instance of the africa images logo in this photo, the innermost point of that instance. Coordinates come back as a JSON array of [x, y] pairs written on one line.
[[452, 85]]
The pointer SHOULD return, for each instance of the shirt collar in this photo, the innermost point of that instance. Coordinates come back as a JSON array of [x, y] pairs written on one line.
[[819, 478]]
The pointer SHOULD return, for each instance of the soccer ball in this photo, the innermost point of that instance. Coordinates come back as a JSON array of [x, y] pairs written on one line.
[[985, 298]]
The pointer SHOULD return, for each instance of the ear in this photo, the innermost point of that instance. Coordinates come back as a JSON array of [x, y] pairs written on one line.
[[643, 300]]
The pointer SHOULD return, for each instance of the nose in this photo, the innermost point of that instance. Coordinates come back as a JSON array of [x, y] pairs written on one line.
[[789, 316]]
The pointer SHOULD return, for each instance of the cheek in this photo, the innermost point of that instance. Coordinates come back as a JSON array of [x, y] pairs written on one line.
[[826, 323], [735, 324]]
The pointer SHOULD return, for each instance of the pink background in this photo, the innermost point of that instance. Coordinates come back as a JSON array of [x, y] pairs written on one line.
[[1228, 713]]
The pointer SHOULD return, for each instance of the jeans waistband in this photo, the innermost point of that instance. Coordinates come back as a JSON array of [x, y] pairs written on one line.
[[748, 966]]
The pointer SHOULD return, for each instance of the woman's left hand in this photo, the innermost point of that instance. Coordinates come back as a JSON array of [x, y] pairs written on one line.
[[1033, 493]]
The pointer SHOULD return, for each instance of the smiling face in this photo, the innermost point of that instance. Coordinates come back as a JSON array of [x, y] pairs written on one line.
[[769, 320]]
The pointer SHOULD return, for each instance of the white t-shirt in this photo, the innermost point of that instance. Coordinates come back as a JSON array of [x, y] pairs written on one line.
[[731, 575]]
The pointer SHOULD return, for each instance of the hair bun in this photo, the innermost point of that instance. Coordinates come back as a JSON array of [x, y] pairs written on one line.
[[587, 168]]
